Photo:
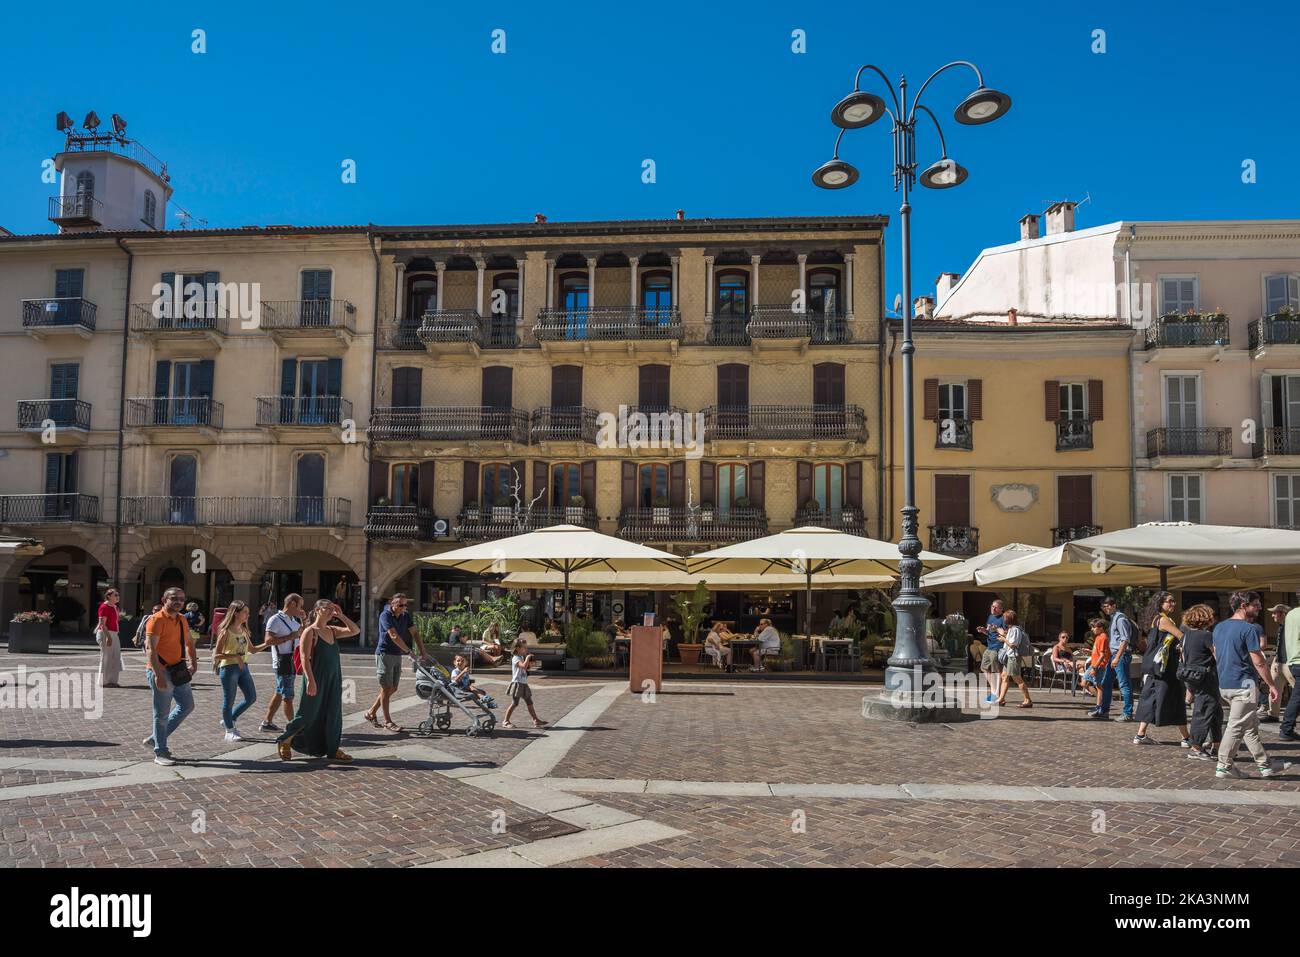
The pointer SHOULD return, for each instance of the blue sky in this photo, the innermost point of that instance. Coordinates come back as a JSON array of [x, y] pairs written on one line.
[[444, 131]]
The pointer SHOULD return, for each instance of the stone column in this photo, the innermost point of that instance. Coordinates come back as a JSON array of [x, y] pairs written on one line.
[[676, 261], [519, 301], [399, 296], [708, 290], [9, 598], [441, 267], [591, 283], [848, 287], [550, 284], [478, 292], [803, 280], [753, 281], [633, 261]]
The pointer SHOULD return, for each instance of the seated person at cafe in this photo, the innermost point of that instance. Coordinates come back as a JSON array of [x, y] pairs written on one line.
[[454, 636], [615, 629], [769, 643], [1062, 657], [715, 646], [552, 631]]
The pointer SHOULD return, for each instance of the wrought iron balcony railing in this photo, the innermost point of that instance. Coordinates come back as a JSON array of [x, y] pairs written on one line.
[[1070, 533], [1172, 332], [235, 510], [1072, 434], [1281, 329], [703, 523], [168, 315], [33, 414], [848, 520], [563, 424], [57, 507], [592, 325], [401, 336], [175, 411], [399, 523], [954, 539], [1189, 442], [439, 424], [76, 209], [1278, 440], [292, 410], [45, 313], [307, 315], [729, 331], [479, 523], [786, 422], [954, 434], [450, 325]]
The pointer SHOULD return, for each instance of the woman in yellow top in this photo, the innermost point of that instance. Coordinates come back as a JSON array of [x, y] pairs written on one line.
[[230, 658]]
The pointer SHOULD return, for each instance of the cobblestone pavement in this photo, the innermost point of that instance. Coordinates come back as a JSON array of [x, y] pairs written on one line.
[[703, 774]]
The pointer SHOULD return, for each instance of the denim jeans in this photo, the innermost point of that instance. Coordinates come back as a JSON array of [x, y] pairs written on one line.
[[1292, 706], [1125, 683], [235, 677], [170, 707], [1106, 682]]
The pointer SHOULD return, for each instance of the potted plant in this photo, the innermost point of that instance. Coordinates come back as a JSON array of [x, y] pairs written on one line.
[[741, 503], [471, 513], [383, 501], [576, 642], [812, 509], [576, 510], [29, 633], [706, 512], [661, 510], [595, 651], [689, 609], [785, 660]]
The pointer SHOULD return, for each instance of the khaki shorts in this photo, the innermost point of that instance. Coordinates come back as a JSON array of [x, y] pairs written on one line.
[[519, 691], [388, 669], [989, 661]]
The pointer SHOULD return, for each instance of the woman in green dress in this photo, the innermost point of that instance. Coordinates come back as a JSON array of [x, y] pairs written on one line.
[[318, 727]]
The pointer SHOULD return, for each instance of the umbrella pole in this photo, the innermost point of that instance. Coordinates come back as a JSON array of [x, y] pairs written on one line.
[[566, 601], [807, 612], [1164, 577]]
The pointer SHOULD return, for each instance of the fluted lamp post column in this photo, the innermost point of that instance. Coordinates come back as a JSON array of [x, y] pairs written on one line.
[[904, 677]]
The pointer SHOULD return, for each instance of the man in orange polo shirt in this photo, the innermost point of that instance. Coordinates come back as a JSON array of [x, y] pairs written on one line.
[[167, 642]]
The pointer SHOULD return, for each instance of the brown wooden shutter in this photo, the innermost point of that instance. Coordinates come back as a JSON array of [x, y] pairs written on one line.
[[566, 386], [932, 399], [426, 484], [828, 384], [653, 387], [1095, 407], [1052, 399], [378, 481], [469, 484], [541, 477], [975, 398], [589, 483], [853, 485], [708, 483], [498, 387], [677, 484], [803, 472], [1074, 500], [629, 486], [952, 500], [757, 486]]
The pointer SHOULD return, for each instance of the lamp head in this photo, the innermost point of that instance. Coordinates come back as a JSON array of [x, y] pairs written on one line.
[[835, 174], [944, 174], [982, 106], [857, 110]]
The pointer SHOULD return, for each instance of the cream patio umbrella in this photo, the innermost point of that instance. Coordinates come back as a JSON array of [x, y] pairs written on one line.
[[808, 551], [674, 580], [962, 575], [563, 549], [1160, 553]]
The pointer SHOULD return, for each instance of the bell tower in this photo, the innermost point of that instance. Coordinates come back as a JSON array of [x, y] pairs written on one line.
[[109, 182]]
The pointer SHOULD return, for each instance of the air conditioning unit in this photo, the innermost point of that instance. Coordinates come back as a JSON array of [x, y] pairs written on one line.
[[441, 528]]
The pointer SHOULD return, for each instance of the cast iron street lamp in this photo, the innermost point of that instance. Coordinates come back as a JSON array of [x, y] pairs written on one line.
[[861, 108]]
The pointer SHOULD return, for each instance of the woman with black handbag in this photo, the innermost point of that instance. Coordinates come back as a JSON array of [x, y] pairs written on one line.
[[1199, 672], [1162, 702]]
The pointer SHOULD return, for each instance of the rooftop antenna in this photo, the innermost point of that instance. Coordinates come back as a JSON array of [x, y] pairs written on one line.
[[185, 218], [1087, 198]]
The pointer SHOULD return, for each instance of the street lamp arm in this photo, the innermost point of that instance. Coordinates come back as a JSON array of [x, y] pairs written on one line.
[[979, 79], [857, 80], [943, 147]]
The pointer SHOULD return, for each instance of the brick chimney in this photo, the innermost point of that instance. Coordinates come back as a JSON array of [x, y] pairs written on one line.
[[1029, 226], [539, 217], [943, 285], [1011, 317], [923, 307], [1060, 218]]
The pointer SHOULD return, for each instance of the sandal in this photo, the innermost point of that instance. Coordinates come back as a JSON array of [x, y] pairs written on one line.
[[390, 726], [373, 719], [1025, 704], [540, 724], [507, 724]]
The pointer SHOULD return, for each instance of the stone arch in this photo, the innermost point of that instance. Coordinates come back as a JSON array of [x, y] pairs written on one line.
[[63, 575], [136, 555]]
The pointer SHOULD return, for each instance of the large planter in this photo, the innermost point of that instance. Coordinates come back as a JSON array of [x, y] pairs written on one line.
[[690, 654], [572, 664], [29, 638]]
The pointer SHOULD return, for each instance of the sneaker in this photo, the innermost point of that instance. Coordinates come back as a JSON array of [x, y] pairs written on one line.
[[1288, 735], [1267, 719], [1098, 716], [147, 741], [1227, 772], [1272, 769], [1143, 739], [1185, 743], [1123, 717], [267, 726], [233, 736], [166, 760], [1196, 754]]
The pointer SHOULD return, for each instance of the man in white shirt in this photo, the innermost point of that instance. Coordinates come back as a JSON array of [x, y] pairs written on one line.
[[282, 631], [769, 643]]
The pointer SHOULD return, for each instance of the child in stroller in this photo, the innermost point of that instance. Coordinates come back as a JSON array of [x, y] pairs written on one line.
[[434, 684], [464, 681]]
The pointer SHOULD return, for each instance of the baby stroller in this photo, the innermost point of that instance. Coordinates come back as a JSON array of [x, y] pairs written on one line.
[[433, 684]]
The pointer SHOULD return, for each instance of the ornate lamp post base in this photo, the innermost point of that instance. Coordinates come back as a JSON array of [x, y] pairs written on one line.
[[913, 707]]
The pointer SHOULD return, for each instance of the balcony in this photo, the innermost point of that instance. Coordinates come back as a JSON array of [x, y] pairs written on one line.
[[235, 510], [729, 331], [563, 424], [1073, 434], [800, 422], [1071, 533], [1207, 333], [849, 520], [200, 413], [322, 321], [47, 317], [291, 411], [1282, 329], [61, 507], [194, 321], [1278, 440], [76, 211], [484, 523], [399, 523], [448, 424], [70, 418], [703, 523], [960, 540], [583, 331], [954, 434], [1189, 443]]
